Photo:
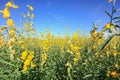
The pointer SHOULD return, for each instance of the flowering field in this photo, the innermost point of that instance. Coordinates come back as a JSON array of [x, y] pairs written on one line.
[[26, 56]]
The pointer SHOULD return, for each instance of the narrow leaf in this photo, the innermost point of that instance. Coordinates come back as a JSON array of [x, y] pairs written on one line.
[[8, 63], [117, 21], [108, 14], [117, 26], [107, 41], [116, 18], [86, 76]]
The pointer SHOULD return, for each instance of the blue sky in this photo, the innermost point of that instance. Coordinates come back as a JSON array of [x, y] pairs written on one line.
[[61, 15]]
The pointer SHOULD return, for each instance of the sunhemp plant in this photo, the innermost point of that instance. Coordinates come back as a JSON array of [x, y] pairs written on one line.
[[112, 26]]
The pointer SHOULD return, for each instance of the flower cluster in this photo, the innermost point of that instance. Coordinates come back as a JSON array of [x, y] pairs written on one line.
[[27, 56]]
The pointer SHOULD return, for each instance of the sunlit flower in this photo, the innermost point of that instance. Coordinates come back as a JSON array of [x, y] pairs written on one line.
[[1, 39], [22, 46], [9, 4], [78, 55], [30, 7], [12, 33], [108, 25], [27, 62], [103, 32], [30, 56], [12, 54], [110, 0], [25, 67], [12, 40], [33, 64], [44, 56], [6, 13], [32, 16], [86, 61], [68, 50], [114, 74], [116, 65], [15, 6], [93, 32], [75, 60], [75, 36], [68, 65], [114, 52], [3, 27], [1, 31], [24, 55], [100, 41], [46, 48], [74, 48], [10, 22], [108, 74]]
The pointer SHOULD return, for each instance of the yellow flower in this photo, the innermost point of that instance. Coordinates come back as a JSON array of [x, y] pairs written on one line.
[[74, 48], [46, 48], [44, 56], [93, 32], [30, 57], [68, 50], [24, 55], [75, 60], [6, 13], [103, 32], [114, 74], [10, 22], [33, 64], [9, 4], [15, 6], [22, 46], [24, 68], [78, 54], [68, 65], [86, 61], [110, 0], [13, 40], [116, 65], [108, 25], [1, 31], [27, 62], [75, 36], [100, 41], [12, 33], [1, 39], [30, 7], [114, 52], [3, 27], [108, 73], [32, 16]]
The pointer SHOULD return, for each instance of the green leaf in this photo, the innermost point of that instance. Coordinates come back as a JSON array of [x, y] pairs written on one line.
[[116, 18], [107, 41], [86, 76], [117, 26], [108, 14], [8, 63], [117, 21]]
